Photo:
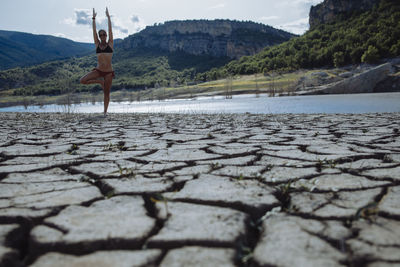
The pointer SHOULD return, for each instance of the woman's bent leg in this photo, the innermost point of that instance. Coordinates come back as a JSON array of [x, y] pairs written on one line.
[[91, 78], [106, 90]]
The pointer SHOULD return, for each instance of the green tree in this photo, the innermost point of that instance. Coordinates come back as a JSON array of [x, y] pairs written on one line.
[[338, 59], [371, 55], [356, 54], [395, 49]]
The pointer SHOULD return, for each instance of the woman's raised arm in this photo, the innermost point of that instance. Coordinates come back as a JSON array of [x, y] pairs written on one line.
[[110, 34], [95, 37]]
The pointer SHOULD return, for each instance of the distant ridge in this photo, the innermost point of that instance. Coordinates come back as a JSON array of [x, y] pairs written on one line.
[[19, 49], [218, 38]]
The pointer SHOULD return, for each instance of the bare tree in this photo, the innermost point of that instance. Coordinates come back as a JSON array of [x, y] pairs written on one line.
[[257, 89], [228, 87]]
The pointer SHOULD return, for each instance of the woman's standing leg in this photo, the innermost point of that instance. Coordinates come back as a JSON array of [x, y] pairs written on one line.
[[107, 88]]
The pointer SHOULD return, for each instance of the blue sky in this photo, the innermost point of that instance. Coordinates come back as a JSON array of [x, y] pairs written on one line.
[[72, 18]]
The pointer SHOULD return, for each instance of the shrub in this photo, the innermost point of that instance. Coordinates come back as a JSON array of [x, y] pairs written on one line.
[[395, 49], [371, 55], [338, 59]]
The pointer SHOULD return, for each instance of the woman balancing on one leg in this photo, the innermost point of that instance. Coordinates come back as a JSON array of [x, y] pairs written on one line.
[[104, 51]]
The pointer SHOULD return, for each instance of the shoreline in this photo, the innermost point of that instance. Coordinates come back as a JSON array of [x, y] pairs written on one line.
[[76, 99], [362, 78], [238, 104]]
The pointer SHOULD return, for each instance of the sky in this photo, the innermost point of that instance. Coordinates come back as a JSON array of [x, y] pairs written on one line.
[[72, 18]]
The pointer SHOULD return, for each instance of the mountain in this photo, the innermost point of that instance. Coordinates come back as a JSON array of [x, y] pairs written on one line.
[[352, 37], [329, 10], [165, 54], [218, 38], [20, 49]]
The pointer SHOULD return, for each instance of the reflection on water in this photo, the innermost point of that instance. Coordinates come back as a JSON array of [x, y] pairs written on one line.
[[354, 103]]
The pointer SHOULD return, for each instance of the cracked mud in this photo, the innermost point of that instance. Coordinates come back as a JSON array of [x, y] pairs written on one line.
[[199, 190]]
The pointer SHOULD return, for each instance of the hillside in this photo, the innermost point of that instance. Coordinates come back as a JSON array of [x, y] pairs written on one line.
[[135, 69], [218, 38], [140, 66], [20, 49], [349, 38]]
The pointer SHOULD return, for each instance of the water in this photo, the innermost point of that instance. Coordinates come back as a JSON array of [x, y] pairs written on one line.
[[350, 103]]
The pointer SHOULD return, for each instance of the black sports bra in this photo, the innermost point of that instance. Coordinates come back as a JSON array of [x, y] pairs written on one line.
[[108, 49]]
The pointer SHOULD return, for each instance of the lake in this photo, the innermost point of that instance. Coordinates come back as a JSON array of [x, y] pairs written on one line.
[[349, 103]]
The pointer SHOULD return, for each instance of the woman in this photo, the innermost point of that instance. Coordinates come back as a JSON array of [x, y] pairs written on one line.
[[103, 73]]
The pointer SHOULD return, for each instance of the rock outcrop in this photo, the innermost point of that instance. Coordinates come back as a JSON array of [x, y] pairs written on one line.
[[220, 38], [329, 10], [361, 83]]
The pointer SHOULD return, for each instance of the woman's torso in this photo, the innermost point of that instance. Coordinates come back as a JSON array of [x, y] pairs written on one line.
[[104, 57]]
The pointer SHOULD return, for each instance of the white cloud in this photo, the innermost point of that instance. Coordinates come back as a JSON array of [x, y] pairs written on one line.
[[221, 5], [118, 26], [68, 21], [135, 19], [269, 18], [85, 39], [301, 2], [314, 2], [83, 17], [298, 26], [137, 23], [293, 7], [59, 34], [293, 15]]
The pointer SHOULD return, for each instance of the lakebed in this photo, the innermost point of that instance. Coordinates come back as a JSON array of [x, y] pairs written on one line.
[[199, 189]]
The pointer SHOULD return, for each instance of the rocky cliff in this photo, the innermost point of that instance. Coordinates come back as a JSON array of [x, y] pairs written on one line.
[[329, 10], [220, 38]]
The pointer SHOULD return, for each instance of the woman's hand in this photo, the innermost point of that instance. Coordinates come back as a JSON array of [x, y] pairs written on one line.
[[110, 34], [95, 37]]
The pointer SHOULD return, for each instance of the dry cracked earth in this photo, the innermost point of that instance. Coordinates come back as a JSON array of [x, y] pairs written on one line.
[[199, 190]]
